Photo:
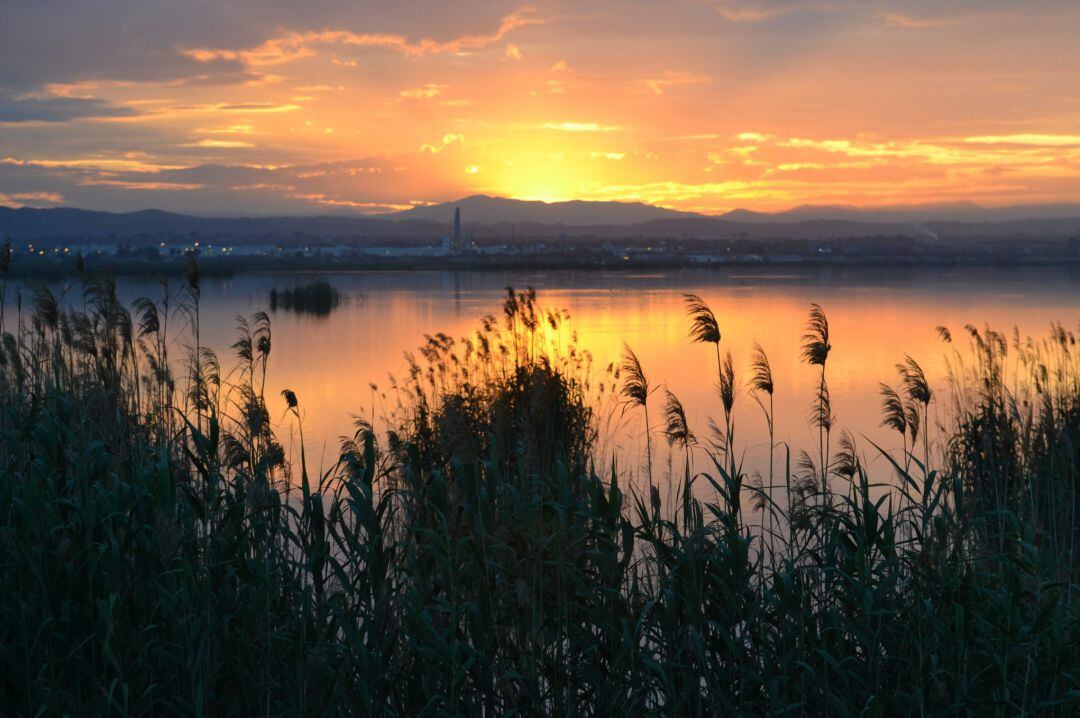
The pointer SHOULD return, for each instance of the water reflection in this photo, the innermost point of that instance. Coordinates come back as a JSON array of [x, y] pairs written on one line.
[[877, 316], [317, 298]]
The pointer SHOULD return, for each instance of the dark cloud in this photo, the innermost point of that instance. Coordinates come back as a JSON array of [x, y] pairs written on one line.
[[360, 186], [57, 109], [72, 40]]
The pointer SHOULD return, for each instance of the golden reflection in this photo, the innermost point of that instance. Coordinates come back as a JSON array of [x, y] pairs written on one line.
[[332, 362]]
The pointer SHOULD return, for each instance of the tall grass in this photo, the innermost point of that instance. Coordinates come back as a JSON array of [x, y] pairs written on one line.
[[160, 556], [317, 298]]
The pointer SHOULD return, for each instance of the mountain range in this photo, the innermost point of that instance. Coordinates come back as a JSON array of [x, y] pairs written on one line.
[[483, 209], [500, 218], [939, 212]]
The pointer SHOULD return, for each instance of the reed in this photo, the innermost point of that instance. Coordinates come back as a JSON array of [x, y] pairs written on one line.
[[466, 556], [636, 391], [317, 298]]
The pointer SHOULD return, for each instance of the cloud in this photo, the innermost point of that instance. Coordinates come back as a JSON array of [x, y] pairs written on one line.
[[513, 52], [294, 46], [756, 11], [365, 185], [426, 92], [143, 186], [219, 144], [105, 164], [909, 22], [1035, 140], [745, 12], [657, 84], [231, 130], [944, 151], [698, 137], [255, 107], [367, 207], [30, 199], [579, 127], [58, 109], [447, 140]]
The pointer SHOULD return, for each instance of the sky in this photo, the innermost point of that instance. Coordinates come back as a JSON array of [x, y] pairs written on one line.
[[324, 107]]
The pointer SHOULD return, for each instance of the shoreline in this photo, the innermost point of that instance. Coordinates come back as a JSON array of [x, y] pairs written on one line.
[[50, 267]]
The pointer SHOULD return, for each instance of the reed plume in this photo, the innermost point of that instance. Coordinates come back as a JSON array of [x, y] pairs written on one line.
[[815, 351], [918, 393], [635, 390], [761, 382], [703, 325], [677, 428]]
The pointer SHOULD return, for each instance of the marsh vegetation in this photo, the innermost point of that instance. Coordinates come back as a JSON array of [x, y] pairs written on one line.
[[474, 552], [317, 298]]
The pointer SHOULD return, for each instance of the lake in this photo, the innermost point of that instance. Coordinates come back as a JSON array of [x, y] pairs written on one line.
[[877, 316]]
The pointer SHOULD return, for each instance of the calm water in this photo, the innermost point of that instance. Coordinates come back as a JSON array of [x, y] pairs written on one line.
[[876, 317]]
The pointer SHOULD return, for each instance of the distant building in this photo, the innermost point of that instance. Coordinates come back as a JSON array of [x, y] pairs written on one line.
[[456, 244]]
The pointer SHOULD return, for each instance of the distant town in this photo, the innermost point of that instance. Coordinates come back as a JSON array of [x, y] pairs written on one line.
[[58, 241]]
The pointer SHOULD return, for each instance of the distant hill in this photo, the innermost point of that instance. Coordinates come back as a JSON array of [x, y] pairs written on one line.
[[482, 209], [494, 219], [90, 225], [937, 212]]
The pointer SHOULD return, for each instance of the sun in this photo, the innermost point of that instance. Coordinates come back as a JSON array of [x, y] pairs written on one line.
[[543, 169]]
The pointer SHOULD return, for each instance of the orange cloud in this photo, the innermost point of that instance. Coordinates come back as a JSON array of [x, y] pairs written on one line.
[[447, 140], [297, 45], [745, 11], [112, 164], [426, 92], [670, 78], [27, 199], [1027, 139], [579, 127], [913, 23], [220, 144], [146, 186]]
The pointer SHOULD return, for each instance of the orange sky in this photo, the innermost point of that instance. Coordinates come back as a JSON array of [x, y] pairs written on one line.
[[269, 107]]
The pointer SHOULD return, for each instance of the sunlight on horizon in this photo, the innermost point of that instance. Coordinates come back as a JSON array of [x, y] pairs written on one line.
[[692, 106]]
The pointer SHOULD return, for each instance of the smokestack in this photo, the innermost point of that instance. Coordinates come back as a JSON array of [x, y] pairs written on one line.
[[457, 227]]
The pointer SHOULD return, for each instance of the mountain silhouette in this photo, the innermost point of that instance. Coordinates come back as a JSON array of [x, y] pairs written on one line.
[[483, 209], [964, 211], [505, 219]]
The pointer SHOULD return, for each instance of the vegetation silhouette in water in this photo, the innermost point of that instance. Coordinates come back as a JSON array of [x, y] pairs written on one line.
[[159, 555], [318, 298]]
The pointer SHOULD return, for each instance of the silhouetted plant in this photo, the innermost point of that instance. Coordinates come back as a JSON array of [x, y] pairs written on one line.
[[816, 348], [635, 390], [677, 429], [466, 558], [917, 391], [895, 417], [318, 298]]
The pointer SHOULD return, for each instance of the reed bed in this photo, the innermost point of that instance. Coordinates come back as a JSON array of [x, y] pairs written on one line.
[[317, 298], [480, 553]]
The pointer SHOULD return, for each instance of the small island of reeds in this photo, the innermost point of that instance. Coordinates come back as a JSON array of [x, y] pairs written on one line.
[[318, 297]]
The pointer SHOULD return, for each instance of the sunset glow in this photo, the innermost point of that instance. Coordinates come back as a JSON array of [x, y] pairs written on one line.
[[705, 106]]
